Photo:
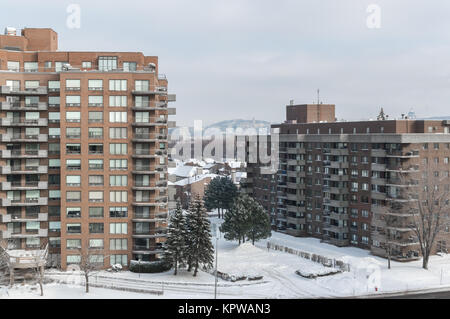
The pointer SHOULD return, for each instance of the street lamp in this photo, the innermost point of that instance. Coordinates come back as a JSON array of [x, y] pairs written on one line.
[[217, 233]]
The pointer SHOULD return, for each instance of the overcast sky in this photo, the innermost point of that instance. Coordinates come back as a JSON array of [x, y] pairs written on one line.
[[229, 59]]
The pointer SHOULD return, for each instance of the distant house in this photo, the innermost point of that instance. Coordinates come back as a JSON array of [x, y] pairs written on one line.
[[186, 188]]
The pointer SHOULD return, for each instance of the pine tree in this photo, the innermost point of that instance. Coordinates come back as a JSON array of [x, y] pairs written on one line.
[[236, 221], [220, 193], [200, 249], [175, 245], [258, 226]]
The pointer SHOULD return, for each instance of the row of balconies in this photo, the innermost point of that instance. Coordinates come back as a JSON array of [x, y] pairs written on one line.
[[12, 90], [23, 154], [7, 202], [6, 170], [20, 106], [8, 218], [7, 234], [6, 186], [24, 138], [6, 121]]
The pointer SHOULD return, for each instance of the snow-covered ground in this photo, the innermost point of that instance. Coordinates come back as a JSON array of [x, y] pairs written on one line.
[[368, 275]]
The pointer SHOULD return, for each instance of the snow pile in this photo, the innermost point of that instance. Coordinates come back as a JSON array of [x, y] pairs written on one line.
[[240, 261]]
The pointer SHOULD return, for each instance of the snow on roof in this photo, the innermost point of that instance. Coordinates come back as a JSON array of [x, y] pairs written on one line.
[[241, 175], [234, 164], [194, 179], [183, 171]]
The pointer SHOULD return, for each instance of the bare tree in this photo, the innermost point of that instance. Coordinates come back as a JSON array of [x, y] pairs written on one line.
[[40, 259], [91, 262], [427, 202]]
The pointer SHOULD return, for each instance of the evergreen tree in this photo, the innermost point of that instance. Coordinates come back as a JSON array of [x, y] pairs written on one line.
[[175, 245], [236, 221], [258, 226], [200, 249], [220, 193]]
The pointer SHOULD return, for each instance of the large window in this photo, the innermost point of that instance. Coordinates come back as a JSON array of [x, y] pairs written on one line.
[[95, 132], [117, 132], [73, 85], [96, 243], [117, 85], [54, 101], [96, 164], [95, 117], [107, 63], [73, 196], [73, 180], [118, 228], [141, 85], [96, 212], [73, 212], [73, 100], [118, 164], [118, 196], [142, 117], [73, 259], [73, 117], [30, 66], [96, 228], [96, 196], [129, 66], [119, 259], [73, 164], [96, 180], [95, 85], [73, 149], [118, 180], [95, 100], [73, 243], [118, 148], [118, 212], [95, 149], [31, 84], [54, 86], [74, 228], [118, 244], [73, 132], [13, 66], [117, 100], [117, 117]]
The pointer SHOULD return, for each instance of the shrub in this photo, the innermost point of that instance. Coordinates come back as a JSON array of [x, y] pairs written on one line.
[[149, 266]]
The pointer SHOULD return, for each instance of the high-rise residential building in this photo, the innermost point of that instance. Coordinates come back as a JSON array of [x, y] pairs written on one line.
[[83, 150], [336, 179]]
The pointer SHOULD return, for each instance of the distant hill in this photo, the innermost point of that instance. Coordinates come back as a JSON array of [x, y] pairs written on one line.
[[235, 124]]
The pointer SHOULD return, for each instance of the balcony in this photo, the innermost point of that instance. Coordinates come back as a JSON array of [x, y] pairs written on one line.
[[7, 170], [336, 241], [295, 232], [378, 153], [153, 105], [25, 154], [8, 218], [147, 153], [151, 90], [24, 138], [18, 106], [8, 90], [23, 122], [401, 154], [9, 235], [150, 138], [6, 186], [152, 121], [295, 220], [40, 201]]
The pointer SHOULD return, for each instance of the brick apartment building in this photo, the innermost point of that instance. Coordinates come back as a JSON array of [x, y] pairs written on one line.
[[83, 150], [335, 179]]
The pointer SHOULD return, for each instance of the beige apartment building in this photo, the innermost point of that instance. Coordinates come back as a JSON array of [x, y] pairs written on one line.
[[83, 151]]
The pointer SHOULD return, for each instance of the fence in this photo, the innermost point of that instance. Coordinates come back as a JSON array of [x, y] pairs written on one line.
[[325, 261]]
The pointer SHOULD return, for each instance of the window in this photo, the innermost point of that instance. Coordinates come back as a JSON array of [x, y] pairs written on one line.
[[118, 244], [54, 242], [73, 243], [95, 85], [96, 243], [118, 148], [30, 66], [54, 163], [141, 85], [118, 164], [107, 63], [73, 100], [117, 85], [54, 211], [73, 132], [117, 101], [13, 66], [118, 117], [73, 259], [73, 164], [73, 117], [95, 132], [95, 100], [54, 86], [96, 164], [95, 180], [54, 226], [95, 117], [129, 66], [59, 65], [96, 212], [118, 180], [118, 133], [48, 64], [118, 228], [54, 132], [119, 259], [73, 212], [31, 84], [142, 117], [54, 117], [141, 101], [86, 64], [118, 196], [96, 196], [74, 228], [73, 180], [73, 196], [54, 101], [95, 149], [96, 228], [118, 212], [73, 149], [73, 85]]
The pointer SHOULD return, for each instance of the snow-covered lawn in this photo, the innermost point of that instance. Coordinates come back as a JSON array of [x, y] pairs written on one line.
[[277, 268]]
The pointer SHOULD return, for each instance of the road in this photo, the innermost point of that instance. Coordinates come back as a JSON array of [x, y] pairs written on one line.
[[429, 295]]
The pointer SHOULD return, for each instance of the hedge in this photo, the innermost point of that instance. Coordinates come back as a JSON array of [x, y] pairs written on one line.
[[149, 266]]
